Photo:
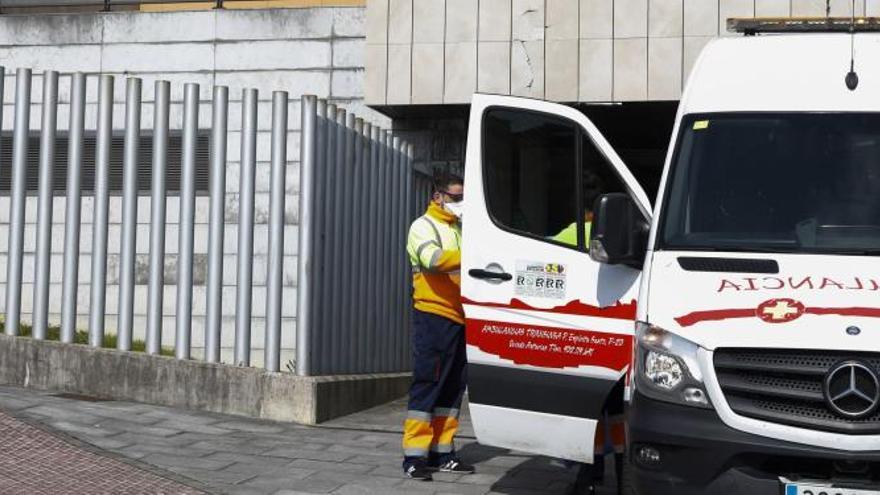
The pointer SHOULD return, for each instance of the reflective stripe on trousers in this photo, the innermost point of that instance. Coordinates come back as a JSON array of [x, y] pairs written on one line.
[[438, 385]]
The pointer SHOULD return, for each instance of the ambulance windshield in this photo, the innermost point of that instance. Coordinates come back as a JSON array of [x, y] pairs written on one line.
[[790, 182]]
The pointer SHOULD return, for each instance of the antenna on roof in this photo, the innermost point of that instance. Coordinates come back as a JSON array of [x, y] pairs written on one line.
[[852, 79]]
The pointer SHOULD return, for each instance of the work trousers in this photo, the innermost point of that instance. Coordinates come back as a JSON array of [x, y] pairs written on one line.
[[439, 380]]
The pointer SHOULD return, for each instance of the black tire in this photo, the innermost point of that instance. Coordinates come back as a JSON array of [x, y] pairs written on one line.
[[583, 484], [625, 485]]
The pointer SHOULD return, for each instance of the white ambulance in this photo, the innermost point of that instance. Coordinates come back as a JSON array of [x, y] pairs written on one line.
[[738, 318]]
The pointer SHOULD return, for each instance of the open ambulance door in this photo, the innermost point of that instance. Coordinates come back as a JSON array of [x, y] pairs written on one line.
[[549, 330]]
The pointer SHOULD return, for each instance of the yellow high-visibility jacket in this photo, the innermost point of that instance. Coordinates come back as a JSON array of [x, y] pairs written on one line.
[[434, 247]]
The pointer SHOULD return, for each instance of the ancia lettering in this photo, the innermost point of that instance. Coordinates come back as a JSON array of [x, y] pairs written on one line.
[[798, 283]]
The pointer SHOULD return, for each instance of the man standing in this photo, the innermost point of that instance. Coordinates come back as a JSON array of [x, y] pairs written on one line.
[[438, 343]]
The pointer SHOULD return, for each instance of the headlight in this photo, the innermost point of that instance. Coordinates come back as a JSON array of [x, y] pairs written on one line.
[[663, 370], [667, 368]]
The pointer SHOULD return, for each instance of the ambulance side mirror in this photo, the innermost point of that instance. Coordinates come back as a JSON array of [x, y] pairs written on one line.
[[619, 234]]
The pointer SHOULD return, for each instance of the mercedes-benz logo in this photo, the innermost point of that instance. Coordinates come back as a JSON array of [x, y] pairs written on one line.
[[852, 389]]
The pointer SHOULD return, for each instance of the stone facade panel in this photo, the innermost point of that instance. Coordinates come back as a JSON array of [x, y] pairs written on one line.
[[493, 71], [562, 71], [665, 18], [664, 68], [631, 69], [527, 69], [461, 72], [494, 22]]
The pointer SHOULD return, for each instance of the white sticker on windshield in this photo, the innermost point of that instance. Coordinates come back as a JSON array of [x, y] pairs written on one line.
[[540, 279]]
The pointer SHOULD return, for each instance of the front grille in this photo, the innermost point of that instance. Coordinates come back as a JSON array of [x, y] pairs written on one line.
[[785, 386]]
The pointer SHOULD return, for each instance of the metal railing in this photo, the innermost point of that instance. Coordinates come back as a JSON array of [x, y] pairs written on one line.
[[358, 193], [98, 280]]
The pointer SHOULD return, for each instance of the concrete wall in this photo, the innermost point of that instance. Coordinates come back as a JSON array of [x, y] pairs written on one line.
[[317, 50], [441, 51], [111, 374]]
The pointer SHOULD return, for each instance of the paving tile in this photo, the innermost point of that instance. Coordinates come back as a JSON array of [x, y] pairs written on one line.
[[192, 427], [184, 461], [147, 449], [82, 430], [103, 412], [266, 469], [11, 404], [251, 427], [346, 467], [273, 484], [223, 476], [108, 443], [138, 429], [248, 459], [359, 479], [479, 478], [242, 447], [60, 413], [315, 455]]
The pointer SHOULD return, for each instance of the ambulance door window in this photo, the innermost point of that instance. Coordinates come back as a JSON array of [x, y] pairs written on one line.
[[598, 177], [531, 168]]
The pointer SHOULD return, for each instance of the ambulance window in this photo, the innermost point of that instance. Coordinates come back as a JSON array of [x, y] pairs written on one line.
[[598, 177], [530, 167]]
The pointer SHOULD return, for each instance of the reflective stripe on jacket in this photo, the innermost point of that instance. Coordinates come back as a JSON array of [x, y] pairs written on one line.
[[434, 248]]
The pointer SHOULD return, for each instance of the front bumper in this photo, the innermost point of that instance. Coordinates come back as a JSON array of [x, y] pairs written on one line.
[[699, 454]]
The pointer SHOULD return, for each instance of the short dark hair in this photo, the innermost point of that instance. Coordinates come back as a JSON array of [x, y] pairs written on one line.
[[442, 183]]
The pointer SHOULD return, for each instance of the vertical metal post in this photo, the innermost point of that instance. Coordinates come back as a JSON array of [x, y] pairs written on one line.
[[44, 205], [129, 213], [410, 213], [97, 303], [306, 261], [389, 253], [336, 277], [156, 287], [395, 220], [342, 362], [246, 227], [72, 214], [186, 224], [275, 268], [364, 249], [374, 249], [17, 200], [214, 290], [323, 355], [382, 283], [356, 325]]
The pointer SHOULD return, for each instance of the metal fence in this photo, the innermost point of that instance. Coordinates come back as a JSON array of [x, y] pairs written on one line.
[[358, 193], [183, 328]]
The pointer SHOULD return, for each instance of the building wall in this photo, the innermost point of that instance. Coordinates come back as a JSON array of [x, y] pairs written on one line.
[[303, 51], [441, 51]]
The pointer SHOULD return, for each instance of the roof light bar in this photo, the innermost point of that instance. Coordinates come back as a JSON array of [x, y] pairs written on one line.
[[803, 25]]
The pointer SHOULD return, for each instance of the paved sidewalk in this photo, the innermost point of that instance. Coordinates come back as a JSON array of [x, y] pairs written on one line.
[[358, 454]]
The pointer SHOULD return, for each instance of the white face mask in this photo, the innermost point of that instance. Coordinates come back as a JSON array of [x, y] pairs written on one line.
[[456, 208]]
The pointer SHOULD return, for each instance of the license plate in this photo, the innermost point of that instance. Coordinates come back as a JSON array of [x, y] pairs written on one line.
[[807, 489]]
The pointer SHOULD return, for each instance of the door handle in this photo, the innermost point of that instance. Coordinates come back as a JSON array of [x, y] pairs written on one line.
[[487, 275]]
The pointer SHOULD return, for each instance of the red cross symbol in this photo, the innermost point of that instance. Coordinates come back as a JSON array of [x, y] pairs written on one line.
[[779, 310]]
